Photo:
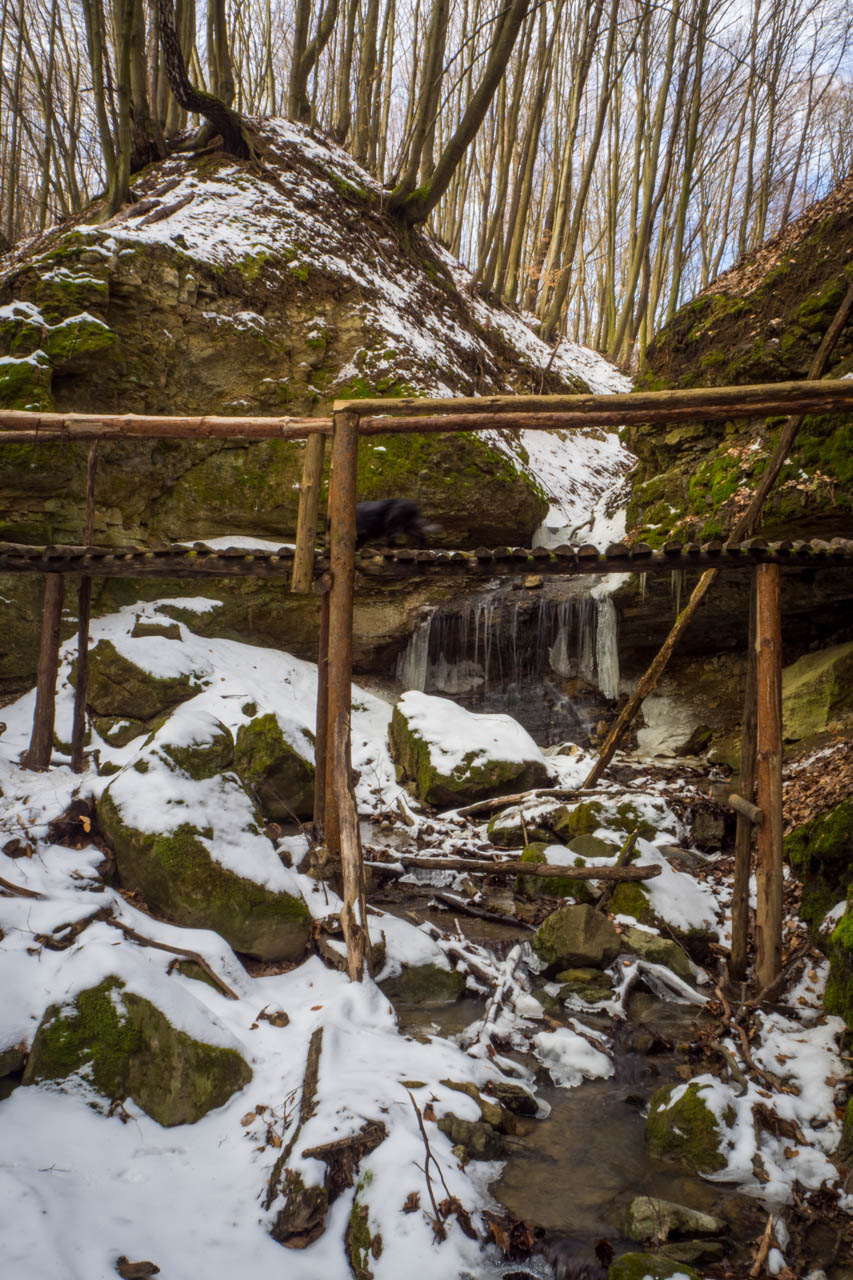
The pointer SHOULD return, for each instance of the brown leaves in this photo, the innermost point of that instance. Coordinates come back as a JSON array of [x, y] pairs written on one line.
[[412, 1202], [513, 1236]]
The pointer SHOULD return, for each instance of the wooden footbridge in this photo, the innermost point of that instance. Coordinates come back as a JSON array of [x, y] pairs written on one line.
[[333, 570]]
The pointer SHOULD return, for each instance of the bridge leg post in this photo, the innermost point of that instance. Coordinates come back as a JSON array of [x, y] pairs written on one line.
[[341, 817], [309, 505], [84, 611], [321, 735], [41, 742], [743, 836], [768, 627]]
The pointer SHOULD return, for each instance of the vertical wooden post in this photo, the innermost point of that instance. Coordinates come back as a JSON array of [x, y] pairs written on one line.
[[768, 641], [342, 486], [354, 908], [84, 613], [743, 835], [41, 742], [321, 737], [309, 505]]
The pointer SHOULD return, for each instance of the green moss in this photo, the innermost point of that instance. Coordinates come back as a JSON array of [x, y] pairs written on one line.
[[631, 899], [361, 1244], [118, 687], [25, 383], [274, 771], [425, 984], [203, 759], [684, 1131], [79, 341], [838, 998], [94, 1036], [553, 886], [819, 854], [649, 1266]]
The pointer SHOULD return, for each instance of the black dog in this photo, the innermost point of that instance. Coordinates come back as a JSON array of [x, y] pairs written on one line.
[[375, 521]]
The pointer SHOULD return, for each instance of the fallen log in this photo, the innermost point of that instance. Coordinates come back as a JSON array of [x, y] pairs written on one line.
[[539, 793], [514, 868]]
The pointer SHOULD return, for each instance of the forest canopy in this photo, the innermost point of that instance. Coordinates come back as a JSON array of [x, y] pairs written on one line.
[[595, 163]]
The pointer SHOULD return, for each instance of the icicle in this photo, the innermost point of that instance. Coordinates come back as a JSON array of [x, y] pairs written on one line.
[[413, 662], [607, 648]]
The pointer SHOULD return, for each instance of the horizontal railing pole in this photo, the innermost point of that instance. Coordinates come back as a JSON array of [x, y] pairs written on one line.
[[749, 400], [20, 427]]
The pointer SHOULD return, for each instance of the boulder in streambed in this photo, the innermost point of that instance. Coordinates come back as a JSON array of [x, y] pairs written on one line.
[[683, 1126], [553, 886], [453, 757], [124, 1046], [817, 690], [650, 1218], [193, 846], [658, 950], [576, 936]]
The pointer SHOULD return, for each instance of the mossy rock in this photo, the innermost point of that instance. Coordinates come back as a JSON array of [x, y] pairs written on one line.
[[587, 846], [650, 1266], [209, 752], [80, 342], [25, 383], [178, 877], [118, 687], [630, 899], [589, 985], [839, 986], [582, 819], [118, 731], [552, 886], [123, 1046], [505, 830], [478, 1139], [819, 852], [474, 778], [425, 984], [575, 936], [658, 950], [685, 1130], [817, 689], [274, 770]]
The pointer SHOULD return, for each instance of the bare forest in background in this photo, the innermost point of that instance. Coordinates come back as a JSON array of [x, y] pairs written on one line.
[[596, 162]]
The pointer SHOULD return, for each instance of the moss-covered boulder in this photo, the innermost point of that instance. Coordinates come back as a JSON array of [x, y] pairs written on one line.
[[682, 1127], [178, 876], [123, 1046], [424, 733], [821, 855], [118, 731], [817, 689], [275, 767], [478, 1140], [199, 745], [425, 984], [650, 1218], [650, 1266], [658, 950], [585, 818], [589, 985], [576, 936], [839, 987], [519, 826], [118, 687], [553, 886]]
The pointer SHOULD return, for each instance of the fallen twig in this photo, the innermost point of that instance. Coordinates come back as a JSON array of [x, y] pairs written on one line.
[[438, 1226], [624, 857], [550, 793], [513, 867], [762, 1250], [18, 890], [175, 951]]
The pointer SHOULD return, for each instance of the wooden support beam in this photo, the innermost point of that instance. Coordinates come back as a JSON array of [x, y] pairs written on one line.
[[744, 832], [306, 523], [18, 426], [746, 401], [744, 809], [512, 867], [768, 641], [41, 742], [321, 736], [84, 613], [354, 908], [342, 490]]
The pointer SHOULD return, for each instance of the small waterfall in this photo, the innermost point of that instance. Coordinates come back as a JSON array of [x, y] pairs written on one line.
[[413, 662], [607, 648]]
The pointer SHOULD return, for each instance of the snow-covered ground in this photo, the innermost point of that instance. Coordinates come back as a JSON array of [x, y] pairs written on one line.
[[78, 1187]]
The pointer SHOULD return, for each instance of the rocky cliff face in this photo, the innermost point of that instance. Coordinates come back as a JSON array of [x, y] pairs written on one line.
[[762, 321], [224, 289]]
